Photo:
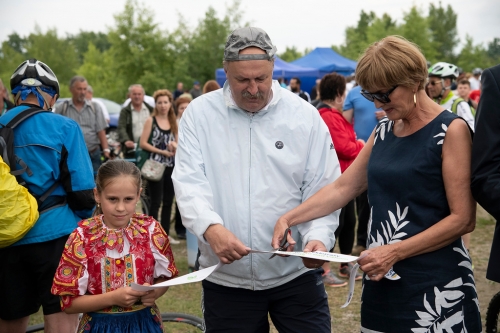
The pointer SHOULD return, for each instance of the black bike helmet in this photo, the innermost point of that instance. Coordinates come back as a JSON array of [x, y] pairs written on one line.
[[34, 73]]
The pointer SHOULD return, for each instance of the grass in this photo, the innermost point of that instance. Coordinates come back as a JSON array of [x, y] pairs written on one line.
[[187, 298]]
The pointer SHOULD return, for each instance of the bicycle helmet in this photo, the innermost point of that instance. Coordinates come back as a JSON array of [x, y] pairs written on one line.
[[444, 70], [34, 73], [477, 71]]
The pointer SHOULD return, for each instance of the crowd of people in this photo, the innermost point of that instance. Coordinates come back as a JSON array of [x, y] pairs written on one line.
[[389, 150]]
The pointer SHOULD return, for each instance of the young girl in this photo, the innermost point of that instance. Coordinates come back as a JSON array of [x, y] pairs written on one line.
[[109, 251], [162, 128]]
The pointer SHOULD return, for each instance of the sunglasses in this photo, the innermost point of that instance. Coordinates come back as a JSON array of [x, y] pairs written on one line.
[[381, 97], [433, 83]]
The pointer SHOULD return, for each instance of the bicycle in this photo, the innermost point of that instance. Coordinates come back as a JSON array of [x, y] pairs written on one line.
[[172, 320], [492, 314]]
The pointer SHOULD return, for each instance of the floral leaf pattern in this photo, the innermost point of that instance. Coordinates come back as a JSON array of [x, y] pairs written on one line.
[[384, 127], [391, 230], [434, 320], [442, 134]]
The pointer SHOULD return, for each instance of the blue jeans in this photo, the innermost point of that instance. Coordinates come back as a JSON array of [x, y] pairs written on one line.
[[95, 158]]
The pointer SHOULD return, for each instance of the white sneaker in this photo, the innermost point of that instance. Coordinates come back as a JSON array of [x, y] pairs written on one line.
[[173, 240]]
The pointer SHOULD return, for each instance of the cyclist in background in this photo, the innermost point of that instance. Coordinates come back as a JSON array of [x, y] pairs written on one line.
[[54, 149], [441, 76]]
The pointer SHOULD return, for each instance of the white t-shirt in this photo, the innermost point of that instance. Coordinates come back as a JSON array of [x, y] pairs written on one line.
[[474, 83]]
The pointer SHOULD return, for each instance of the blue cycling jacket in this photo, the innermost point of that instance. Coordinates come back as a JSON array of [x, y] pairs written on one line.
[[53, 148]]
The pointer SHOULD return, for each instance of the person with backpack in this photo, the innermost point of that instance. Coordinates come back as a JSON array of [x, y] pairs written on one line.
[[441, 76], [52, 161]]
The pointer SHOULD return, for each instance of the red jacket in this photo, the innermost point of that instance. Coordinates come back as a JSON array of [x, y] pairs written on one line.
[[343, 136]]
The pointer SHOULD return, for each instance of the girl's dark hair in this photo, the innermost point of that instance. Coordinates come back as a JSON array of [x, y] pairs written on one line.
[[331, 86], [112, 169]]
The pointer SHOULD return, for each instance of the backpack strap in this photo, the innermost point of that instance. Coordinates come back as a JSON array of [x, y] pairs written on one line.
[[21, 116], [64, 111], [454, 106]]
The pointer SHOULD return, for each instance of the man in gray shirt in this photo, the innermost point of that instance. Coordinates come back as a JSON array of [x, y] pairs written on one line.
[[90, 118]]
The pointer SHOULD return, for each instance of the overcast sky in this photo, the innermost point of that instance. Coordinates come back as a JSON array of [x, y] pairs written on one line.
[[299, 23]]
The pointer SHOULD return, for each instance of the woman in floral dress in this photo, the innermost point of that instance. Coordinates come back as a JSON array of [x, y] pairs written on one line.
[[416, 167]]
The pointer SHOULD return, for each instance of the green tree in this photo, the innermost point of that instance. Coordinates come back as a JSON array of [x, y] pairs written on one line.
[[206, 46], [415, 28], [290, 54], [356, 38], [81, 42], [443, 27], [494, 50], [138, 49], [9, 60], [473, 56]]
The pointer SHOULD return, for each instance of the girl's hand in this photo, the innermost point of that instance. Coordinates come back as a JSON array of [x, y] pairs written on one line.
[[151, 296], [126, 296]]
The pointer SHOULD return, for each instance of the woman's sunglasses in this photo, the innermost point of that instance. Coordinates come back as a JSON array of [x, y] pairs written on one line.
[[381, 97]]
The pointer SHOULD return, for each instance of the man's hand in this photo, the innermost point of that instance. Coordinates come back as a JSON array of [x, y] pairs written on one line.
[[312, 246], [225, 244], [379, 114], [279, 231], [129, 144]]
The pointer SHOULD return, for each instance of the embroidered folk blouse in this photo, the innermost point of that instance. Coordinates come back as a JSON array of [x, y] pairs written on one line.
[[97, 260]]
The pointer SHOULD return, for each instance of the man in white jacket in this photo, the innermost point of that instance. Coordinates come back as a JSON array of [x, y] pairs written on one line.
[[247, 154]]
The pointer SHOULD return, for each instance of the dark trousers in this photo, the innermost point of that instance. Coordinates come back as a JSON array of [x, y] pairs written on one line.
[[179, 227], [162, 193], [300, 306], [345, 232], [363, 210]]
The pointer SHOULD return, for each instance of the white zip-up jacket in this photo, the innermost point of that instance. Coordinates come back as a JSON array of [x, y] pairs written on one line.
[[244, 171]]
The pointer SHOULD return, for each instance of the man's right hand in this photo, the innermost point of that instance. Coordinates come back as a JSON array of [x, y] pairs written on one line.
[[129, 144], [225, 244]]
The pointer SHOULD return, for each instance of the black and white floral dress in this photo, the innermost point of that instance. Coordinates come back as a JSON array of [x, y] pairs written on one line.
[[436, 291]]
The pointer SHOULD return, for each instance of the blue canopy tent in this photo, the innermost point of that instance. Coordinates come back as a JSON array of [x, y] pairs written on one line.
[[327, 61], [281, 69]]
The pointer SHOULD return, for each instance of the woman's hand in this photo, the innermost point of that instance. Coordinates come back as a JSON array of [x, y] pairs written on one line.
[[172, 146], [376, 262], [167, 153], [126, 296]]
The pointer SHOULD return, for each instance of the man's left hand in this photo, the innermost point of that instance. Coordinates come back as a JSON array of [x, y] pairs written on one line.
[[312, 246], [106, 154]]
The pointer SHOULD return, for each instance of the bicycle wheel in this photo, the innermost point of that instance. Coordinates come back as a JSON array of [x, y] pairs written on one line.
[[182, 320], [35, 328], [492, 314], [144, 205]]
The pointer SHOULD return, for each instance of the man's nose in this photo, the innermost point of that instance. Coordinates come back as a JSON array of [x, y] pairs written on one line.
[[252, 87]]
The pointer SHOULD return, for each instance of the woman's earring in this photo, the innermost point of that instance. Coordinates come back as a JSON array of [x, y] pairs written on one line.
[[415, 99], [98, 205]]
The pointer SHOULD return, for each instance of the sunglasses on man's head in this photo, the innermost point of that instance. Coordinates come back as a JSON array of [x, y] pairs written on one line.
[[381, 97]]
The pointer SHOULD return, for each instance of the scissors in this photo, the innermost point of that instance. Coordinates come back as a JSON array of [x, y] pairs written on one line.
[[283, 243]]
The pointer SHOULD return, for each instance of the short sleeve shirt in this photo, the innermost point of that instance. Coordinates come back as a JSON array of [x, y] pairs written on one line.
[[363, 115], [91, 121]]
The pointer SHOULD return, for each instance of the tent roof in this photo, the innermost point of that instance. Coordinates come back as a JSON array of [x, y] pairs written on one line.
[[326, 60]]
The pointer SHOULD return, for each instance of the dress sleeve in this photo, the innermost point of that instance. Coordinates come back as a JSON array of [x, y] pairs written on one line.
[[71, 278], [162, 252]]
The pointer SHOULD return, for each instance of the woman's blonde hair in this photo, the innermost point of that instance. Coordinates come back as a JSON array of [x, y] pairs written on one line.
[[391, 61], [172, 118]]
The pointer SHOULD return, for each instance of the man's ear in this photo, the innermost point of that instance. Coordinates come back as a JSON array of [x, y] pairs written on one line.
[[53, 100]]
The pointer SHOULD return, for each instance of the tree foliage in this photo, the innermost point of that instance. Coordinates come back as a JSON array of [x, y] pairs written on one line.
[[135, 49], [435, 32]]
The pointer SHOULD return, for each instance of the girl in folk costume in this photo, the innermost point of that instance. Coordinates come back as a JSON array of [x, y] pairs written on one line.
[[111, 250]]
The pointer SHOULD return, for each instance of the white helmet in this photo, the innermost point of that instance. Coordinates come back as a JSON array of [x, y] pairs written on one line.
[[444, 70]]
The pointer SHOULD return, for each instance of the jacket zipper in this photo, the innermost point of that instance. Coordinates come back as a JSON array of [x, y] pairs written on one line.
[[249, 200]]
